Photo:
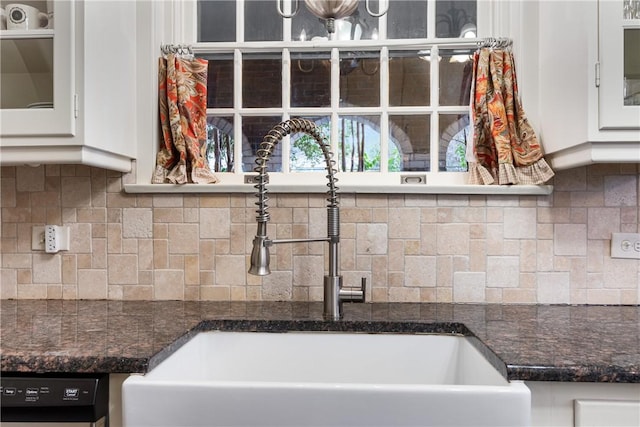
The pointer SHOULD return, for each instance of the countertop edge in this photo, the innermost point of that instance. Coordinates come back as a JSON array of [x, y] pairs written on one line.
[[73, 364], [590, 373]]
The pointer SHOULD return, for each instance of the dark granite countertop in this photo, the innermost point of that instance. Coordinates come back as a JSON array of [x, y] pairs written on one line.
[[535, 342]]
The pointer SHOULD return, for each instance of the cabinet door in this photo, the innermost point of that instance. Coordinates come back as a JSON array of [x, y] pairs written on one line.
[[619, 63], [37, 75], [610, 413]]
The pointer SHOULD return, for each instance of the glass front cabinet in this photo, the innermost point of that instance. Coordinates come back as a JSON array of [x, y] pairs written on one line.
[[619, 65], [588, 72], [66, 79]]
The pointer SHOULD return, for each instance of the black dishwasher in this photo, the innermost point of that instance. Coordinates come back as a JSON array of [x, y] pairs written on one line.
[[46, 398]]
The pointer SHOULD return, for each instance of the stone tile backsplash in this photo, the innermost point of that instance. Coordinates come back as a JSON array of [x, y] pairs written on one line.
[[444, 248]]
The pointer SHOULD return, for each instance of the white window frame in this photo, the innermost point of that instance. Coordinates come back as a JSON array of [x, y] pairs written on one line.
[[175, 22]]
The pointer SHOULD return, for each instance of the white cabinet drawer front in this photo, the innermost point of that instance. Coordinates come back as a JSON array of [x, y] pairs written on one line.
[[610, 413]]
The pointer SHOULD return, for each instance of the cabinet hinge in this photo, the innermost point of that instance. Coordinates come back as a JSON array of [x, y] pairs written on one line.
[[76, 108], [597, 74]]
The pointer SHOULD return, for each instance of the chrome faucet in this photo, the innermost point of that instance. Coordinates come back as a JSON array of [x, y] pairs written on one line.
[[334, 293]]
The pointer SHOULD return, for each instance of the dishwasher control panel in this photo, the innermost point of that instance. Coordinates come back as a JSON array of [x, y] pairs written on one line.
[[15, 391], [53, 398]]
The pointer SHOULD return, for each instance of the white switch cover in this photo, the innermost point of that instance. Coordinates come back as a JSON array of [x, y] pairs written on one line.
[[37, 238], [625, 245]]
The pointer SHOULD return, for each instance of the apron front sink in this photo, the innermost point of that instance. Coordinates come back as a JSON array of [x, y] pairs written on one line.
[[325, 379]]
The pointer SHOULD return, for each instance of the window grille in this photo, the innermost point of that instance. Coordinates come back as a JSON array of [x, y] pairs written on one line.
[[390, 93]]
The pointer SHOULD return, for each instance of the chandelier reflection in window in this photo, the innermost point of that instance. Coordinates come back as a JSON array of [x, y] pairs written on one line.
[[329, 11], [457, 20]]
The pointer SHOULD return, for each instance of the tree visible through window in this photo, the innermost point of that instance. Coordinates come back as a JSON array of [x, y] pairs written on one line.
[[220, 145], [358, 149]]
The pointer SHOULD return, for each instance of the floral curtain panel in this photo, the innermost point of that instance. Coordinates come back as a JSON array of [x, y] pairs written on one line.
[[505, 149], [182, 92]]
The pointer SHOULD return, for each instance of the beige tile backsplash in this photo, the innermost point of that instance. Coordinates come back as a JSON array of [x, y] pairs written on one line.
[[444, 248]]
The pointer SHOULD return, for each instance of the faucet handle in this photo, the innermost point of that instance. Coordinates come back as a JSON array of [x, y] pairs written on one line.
[[354, 294]]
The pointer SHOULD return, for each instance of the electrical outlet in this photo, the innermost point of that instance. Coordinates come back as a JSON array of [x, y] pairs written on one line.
[[37, 238], [50, 239], [625, 245], [56, 238]]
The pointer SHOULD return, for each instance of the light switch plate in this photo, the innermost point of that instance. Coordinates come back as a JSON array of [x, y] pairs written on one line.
[[37, 238], [625, 245]]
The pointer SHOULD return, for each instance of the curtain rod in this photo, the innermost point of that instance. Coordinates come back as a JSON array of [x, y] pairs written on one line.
[[470, 43], [500, 42], [178, 49]]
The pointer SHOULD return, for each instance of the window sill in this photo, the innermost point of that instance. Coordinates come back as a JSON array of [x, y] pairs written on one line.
[[520, 190]]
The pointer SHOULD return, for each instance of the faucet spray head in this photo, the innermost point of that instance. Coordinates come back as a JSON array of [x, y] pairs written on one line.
[[260, 257]]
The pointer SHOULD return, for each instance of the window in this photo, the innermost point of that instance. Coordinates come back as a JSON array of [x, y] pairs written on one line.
[[390, 93]]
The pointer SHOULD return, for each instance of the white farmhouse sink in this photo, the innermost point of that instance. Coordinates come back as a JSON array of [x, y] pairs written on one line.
[[325, 379]]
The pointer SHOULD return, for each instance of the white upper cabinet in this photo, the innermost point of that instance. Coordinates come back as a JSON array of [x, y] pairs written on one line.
[[588, 77], [67, 72]]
